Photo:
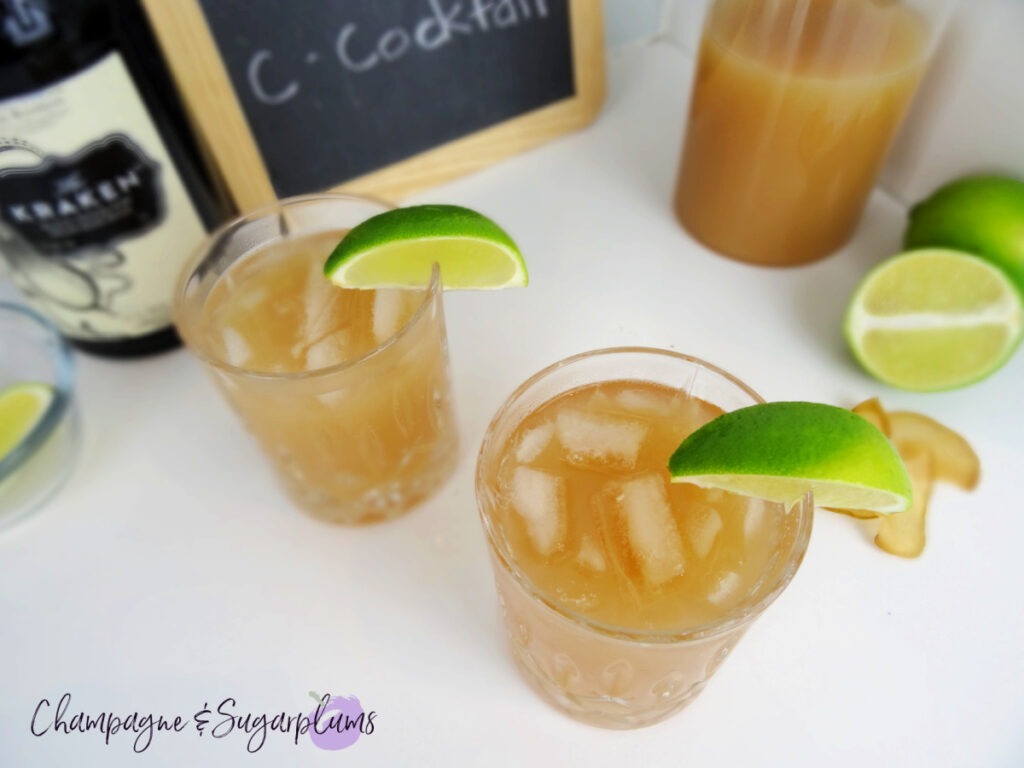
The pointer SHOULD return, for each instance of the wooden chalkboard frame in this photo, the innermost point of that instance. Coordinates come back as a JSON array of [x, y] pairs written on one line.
[[191, 52]]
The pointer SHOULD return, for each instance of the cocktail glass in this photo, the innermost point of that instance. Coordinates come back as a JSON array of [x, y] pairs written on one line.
[[347, 392], [620, 611]]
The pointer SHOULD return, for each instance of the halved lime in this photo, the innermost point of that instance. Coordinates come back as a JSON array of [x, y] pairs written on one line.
[[21, 407], [781, 451], [983, 215], [398, 248], [934, 319]]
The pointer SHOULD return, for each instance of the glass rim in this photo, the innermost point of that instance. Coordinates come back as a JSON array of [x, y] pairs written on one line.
[[934, 15], [431, 290], [739, 616], [59, 352]]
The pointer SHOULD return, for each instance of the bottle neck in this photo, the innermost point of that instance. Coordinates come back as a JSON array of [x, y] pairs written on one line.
[[25, 22], [43, 41]]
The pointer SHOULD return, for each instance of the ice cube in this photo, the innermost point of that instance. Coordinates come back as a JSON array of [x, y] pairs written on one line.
[[607, 506], [327, 351], [391, 310], [600, 400], [753, 517], [599, 439], [702, 524], [539, 499], [322, 305], [388, 313], [334, 398], [650, 529], [642, 402], [236, 348], [533, 442], [250, 299], [725, 587], [590, 555], [387, 306]]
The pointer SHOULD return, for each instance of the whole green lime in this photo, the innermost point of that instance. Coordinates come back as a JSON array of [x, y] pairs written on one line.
[[983, 215]]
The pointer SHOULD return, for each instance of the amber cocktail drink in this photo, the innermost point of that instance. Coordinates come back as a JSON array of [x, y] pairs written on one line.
[[622, 591], [346, 390], [794, 106]]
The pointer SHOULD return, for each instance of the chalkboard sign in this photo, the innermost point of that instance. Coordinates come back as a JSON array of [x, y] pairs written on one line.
[[383, 97]]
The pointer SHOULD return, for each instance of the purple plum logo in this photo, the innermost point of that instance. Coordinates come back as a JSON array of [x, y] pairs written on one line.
[[338, 721]]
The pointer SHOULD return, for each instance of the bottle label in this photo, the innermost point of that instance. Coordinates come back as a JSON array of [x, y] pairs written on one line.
[[95, 223], [107, 193]]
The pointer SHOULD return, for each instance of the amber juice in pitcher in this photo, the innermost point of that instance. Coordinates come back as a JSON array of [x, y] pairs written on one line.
[[794, 106]]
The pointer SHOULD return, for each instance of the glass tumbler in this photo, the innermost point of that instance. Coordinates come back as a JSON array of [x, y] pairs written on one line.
[[346, 391], [598, 641], [33, 356]]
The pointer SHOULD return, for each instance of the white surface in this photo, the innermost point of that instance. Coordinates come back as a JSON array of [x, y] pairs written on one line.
[[684, 22], [171, 571], [968, 116], [631, 21]]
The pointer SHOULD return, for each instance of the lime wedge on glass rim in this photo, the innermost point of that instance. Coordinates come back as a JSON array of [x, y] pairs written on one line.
[[934, 319], [398, 248], [781, 451], [22, 406]]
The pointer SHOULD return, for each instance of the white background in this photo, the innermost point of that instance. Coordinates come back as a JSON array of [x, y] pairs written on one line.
[[171, 572]]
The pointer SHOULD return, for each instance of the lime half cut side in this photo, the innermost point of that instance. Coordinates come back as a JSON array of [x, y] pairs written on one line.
[[934, 319], [781, 451], [398, 248], [22, 407]]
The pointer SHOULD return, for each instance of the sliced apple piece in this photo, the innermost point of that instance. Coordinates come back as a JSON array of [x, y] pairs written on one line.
[[873, 411], [903, 533], [953, 459], [860, 514], [930, 451]]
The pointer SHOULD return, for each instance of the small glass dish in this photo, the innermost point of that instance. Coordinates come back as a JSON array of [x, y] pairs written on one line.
[[32, 470]]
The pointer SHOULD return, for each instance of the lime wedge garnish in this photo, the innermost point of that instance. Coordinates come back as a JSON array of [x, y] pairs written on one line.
[[398, 249], [781, 451], [934, 319], [21, 408]]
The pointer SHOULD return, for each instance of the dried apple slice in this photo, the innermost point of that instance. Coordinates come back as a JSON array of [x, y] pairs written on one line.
[[953, 459], [903, 533], [860, 514], [873, 411], [930, 451]]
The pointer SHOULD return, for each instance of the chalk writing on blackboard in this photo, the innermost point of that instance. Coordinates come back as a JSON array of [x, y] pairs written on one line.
[[334, 90], [359, 50]]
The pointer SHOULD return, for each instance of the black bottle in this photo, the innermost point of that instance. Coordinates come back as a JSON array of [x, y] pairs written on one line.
[[103, 192]]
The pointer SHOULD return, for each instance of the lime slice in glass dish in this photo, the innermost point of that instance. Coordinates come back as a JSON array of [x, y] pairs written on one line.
[[398, 249], [934, 319], [22, 406], [781, 451]]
